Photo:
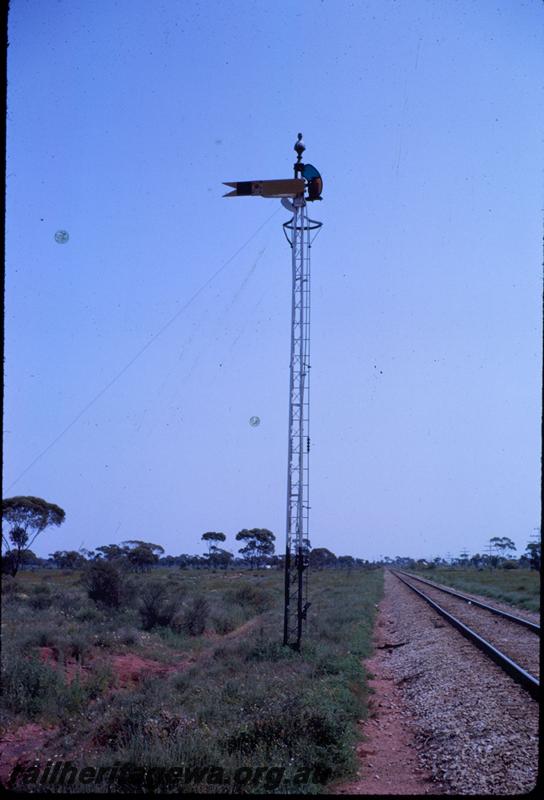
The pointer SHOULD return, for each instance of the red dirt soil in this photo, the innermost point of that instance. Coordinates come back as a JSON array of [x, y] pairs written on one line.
[[130, 668], [387, 753], [23, 746], [30, 742], [71, 666]]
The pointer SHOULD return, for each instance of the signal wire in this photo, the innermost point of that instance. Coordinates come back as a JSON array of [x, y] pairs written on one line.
[[140, 352], [204, 345]]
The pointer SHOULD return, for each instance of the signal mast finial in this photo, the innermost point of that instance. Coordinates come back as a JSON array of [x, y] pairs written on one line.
[[299, 147]]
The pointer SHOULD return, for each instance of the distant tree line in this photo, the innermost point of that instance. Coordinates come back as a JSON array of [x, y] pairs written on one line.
[[24, 518], [500, 554]]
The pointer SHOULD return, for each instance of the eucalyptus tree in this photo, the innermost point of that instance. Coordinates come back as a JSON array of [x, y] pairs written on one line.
[[26, 517]]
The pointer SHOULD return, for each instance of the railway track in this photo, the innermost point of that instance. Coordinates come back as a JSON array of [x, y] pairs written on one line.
[[527, 623], [509, 640]]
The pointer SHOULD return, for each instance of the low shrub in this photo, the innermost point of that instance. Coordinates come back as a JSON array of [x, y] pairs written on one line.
[[181, 685], [254, 596], [129, 590], [129, 636], [40, 601], [11, 589], [71, 602], [280, 726], [10, 585], [88, 614], [104, 638], [266, 649], [103, 582], [157, 608], [228, 620], [41, 589], [331, 664], [77, 647], [100, 680], [193, 620], [68, 602], [224, 624], [40, 637], [27, 683], [176, 639]]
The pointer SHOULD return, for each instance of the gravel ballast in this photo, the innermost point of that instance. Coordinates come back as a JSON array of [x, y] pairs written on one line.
[[532, 616], [515, 641], [476, 730]]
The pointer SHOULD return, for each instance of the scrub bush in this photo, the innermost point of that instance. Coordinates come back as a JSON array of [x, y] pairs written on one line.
[[103, 582], [252, 596], [193, 620], [157, 608]]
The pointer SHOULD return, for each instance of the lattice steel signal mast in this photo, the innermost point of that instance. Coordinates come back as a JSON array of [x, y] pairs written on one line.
[[300, 232]]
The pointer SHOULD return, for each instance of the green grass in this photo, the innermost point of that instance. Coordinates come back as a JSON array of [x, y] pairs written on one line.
[[245, 701], [516, 587]]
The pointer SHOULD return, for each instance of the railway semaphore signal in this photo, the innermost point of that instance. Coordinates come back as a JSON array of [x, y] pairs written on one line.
[[300, 231], [290, 187]]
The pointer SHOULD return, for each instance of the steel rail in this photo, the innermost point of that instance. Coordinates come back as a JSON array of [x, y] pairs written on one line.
[[521, 676], [532, 626]]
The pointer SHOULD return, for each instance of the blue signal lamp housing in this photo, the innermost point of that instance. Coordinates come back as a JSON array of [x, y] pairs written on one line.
[[315, 182]]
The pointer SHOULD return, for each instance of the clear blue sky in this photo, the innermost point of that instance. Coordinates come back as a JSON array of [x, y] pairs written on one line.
[[425, 120]]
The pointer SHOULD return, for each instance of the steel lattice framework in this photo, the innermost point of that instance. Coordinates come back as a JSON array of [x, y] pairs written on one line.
[[300, 231]]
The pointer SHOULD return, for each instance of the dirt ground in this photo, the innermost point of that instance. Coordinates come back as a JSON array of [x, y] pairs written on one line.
[[33, 742], [388, 758]]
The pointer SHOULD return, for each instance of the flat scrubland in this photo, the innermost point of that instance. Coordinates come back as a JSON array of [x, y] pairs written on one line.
[[187, 672], [516, 587]]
